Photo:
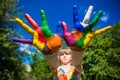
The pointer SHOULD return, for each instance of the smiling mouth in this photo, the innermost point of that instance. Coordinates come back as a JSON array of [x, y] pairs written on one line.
[[65, 59]]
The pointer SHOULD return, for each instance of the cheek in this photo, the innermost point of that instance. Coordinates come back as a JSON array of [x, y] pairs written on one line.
[[70, 57]]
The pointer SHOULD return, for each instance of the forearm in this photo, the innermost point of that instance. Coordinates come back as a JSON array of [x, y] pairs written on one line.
[[77, 56], [53, 60]]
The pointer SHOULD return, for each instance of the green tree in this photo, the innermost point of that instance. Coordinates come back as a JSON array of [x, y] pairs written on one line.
[[8, 11], [40, 68], [101, 59], [11, 67]]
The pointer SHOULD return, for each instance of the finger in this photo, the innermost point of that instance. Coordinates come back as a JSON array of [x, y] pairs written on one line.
[[83, 42], [45, 29], [65, 27], [95, 20], [59, 29], [27, 41], [77, 24], [102, 30], [75, 14], [36, 27], [44, 19], [87, 16], [25, 26], [39, 45], [68, 36], [32, 22], [80, 43], [89, 36]]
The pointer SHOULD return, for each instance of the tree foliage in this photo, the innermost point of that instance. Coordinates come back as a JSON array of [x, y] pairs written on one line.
[[8, 11], [11, 67], [40, 68], [101, 59]]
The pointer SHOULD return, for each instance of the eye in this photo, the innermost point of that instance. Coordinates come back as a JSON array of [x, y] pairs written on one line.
[[61, 54], [67, 53]]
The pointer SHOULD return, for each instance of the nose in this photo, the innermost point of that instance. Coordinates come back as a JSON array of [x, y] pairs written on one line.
[[64, 55]]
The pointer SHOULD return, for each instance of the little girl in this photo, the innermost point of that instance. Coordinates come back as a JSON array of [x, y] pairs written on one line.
[[65, 70]]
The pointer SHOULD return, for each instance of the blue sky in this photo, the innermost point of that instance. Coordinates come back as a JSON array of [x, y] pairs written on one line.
[[61, 10], [57, 10]]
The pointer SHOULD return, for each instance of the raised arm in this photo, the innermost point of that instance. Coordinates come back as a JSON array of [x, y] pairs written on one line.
[[43, 38], [82, 33]]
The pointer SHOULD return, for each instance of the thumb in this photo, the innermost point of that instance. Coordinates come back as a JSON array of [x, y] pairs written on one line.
[[65, 27]]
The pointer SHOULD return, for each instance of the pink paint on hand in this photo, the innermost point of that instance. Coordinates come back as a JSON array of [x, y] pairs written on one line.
[[68, 36]]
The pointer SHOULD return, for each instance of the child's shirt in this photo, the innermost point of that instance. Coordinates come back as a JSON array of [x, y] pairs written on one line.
[[72, 74]]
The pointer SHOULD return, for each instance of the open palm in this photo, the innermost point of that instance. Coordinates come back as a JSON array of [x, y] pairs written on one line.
[[43, 38], [82, 32]]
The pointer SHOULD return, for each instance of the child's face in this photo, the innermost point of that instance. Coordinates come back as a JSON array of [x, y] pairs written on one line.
[[65, 58]]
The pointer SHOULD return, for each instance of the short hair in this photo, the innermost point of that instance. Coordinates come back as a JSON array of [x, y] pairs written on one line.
[[65, 50]]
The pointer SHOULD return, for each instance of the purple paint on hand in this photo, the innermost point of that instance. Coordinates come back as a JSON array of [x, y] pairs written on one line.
[[27, 41]]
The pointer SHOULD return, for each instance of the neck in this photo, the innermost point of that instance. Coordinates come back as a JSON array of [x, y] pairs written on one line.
[[66, 65]]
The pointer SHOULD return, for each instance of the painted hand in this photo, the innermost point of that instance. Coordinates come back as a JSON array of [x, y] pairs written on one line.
[[82, 32], [43, 38]]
